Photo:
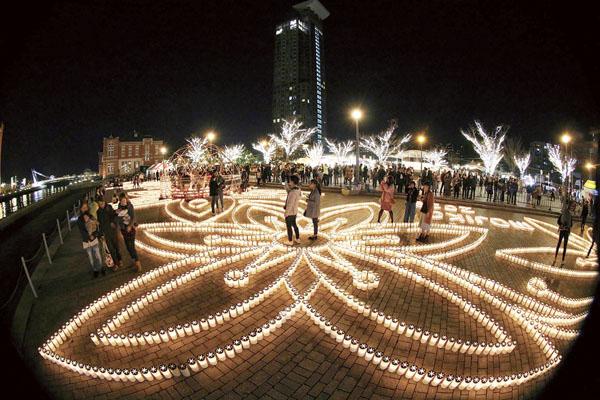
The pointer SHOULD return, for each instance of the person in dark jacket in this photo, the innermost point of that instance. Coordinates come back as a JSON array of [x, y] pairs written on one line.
[[565, 222], [411, 202], [584, 214], [215, 190], [107, 218], [126, 217]]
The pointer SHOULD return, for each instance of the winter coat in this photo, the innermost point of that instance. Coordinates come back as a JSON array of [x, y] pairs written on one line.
[[313, 205], [291, 202]]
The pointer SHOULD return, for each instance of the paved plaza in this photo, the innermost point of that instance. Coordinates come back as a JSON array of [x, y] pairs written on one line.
[[363, 312]]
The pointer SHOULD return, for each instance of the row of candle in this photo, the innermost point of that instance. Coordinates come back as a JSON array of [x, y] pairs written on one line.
[[562, 319], [172, 370], [185, 207], [184, 278], [457, 299], [149, 296], [417, 374], [361, 279], [539, 288], [67, 329], [509, 255], [505, 344], [189, 328]]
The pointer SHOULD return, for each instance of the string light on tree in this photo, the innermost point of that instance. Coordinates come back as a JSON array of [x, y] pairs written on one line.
[[522, 163], [487, 146], [315, 154], [233, 153], [436, 158], [341, 150], [564, 165], [266, 148], [292, 136], [384, 145]]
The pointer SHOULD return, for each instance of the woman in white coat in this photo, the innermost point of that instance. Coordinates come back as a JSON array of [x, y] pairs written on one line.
[[313, 206]]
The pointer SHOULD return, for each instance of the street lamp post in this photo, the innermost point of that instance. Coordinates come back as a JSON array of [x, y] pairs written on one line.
[[356, 115], [211, 136], [566, 138], [421, 140]]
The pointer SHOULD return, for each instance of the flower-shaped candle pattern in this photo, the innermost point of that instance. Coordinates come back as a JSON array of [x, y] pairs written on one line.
[[244, 248]]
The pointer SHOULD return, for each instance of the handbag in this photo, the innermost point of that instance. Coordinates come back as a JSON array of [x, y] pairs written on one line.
[[107, 256], [424, 208]]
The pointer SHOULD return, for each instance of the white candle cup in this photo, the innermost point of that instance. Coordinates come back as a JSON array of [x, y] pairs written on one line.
[[174, 369], [370, 353], [362, 350], [165, 372], [220, 354], [419, 375], [438, 379], [184, 370], [229, 352], [411, 372]]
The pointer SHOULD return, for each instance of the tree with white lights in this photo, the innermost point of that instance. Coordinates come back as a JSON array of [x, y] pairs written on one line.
[[564, 165], [487, 146], [266, 149], [436, 158], [522, 163], [340, 150], [196, 150], [314, 154], [292, 136], [384, 145], [233, 153]]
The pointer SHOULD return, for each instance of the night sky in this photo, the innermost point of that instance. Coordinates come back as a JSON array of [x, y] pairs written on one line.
[[74, 72]]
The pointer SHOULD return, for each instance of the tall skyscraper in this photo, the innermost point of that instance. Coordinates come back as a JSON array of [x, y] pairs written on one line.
[[299, 78]]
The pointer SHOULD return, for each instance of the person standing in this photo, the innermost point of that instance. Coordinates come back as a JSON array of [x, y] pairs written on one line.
[[426, 213], [215, 190], [127, 224], [291, 209], [107, 218], [387, 198], [411, 202], [565, 222], [88, 227], [313, 206], [584, 214]]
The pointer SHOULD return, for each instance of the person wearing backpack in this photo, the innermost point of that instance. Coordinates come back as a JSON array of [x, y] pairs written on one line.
[[426, 212], [565, 222]]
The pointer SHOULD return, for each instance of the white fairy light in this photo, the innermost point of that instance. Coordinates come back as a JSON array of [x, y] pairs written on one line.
[[436, 158], [233, 153], [266, 149], [196, 150], [522, 163], [292, 136], [383, 145], [315, 154], [487, 146], [257, 247], [340, 150], [564, 165]]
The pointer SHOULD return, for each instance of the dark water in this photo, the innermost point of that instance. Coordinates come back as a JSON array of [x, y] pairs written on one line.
[[9, 206]]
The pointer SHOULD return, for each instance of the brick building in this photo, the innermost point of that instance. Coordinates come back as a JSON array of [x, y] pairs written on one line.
[[124, 155]]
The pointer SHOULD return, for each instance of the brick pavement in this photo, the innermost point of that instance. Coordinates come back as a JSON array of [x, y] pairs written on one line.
[[299, 360]]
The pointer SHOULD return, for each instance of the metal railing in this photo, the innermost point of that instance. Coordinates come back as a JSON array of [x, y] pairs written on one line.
[[62, 226]]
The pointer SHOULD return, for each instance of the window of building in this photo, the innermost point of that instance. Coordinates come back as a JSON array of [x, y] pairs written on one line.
[[110, 149]]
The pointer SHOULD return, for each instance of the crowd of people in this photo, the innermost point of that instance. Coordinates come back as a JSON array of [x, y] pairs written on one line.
[[103, 226], [460, 184]]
